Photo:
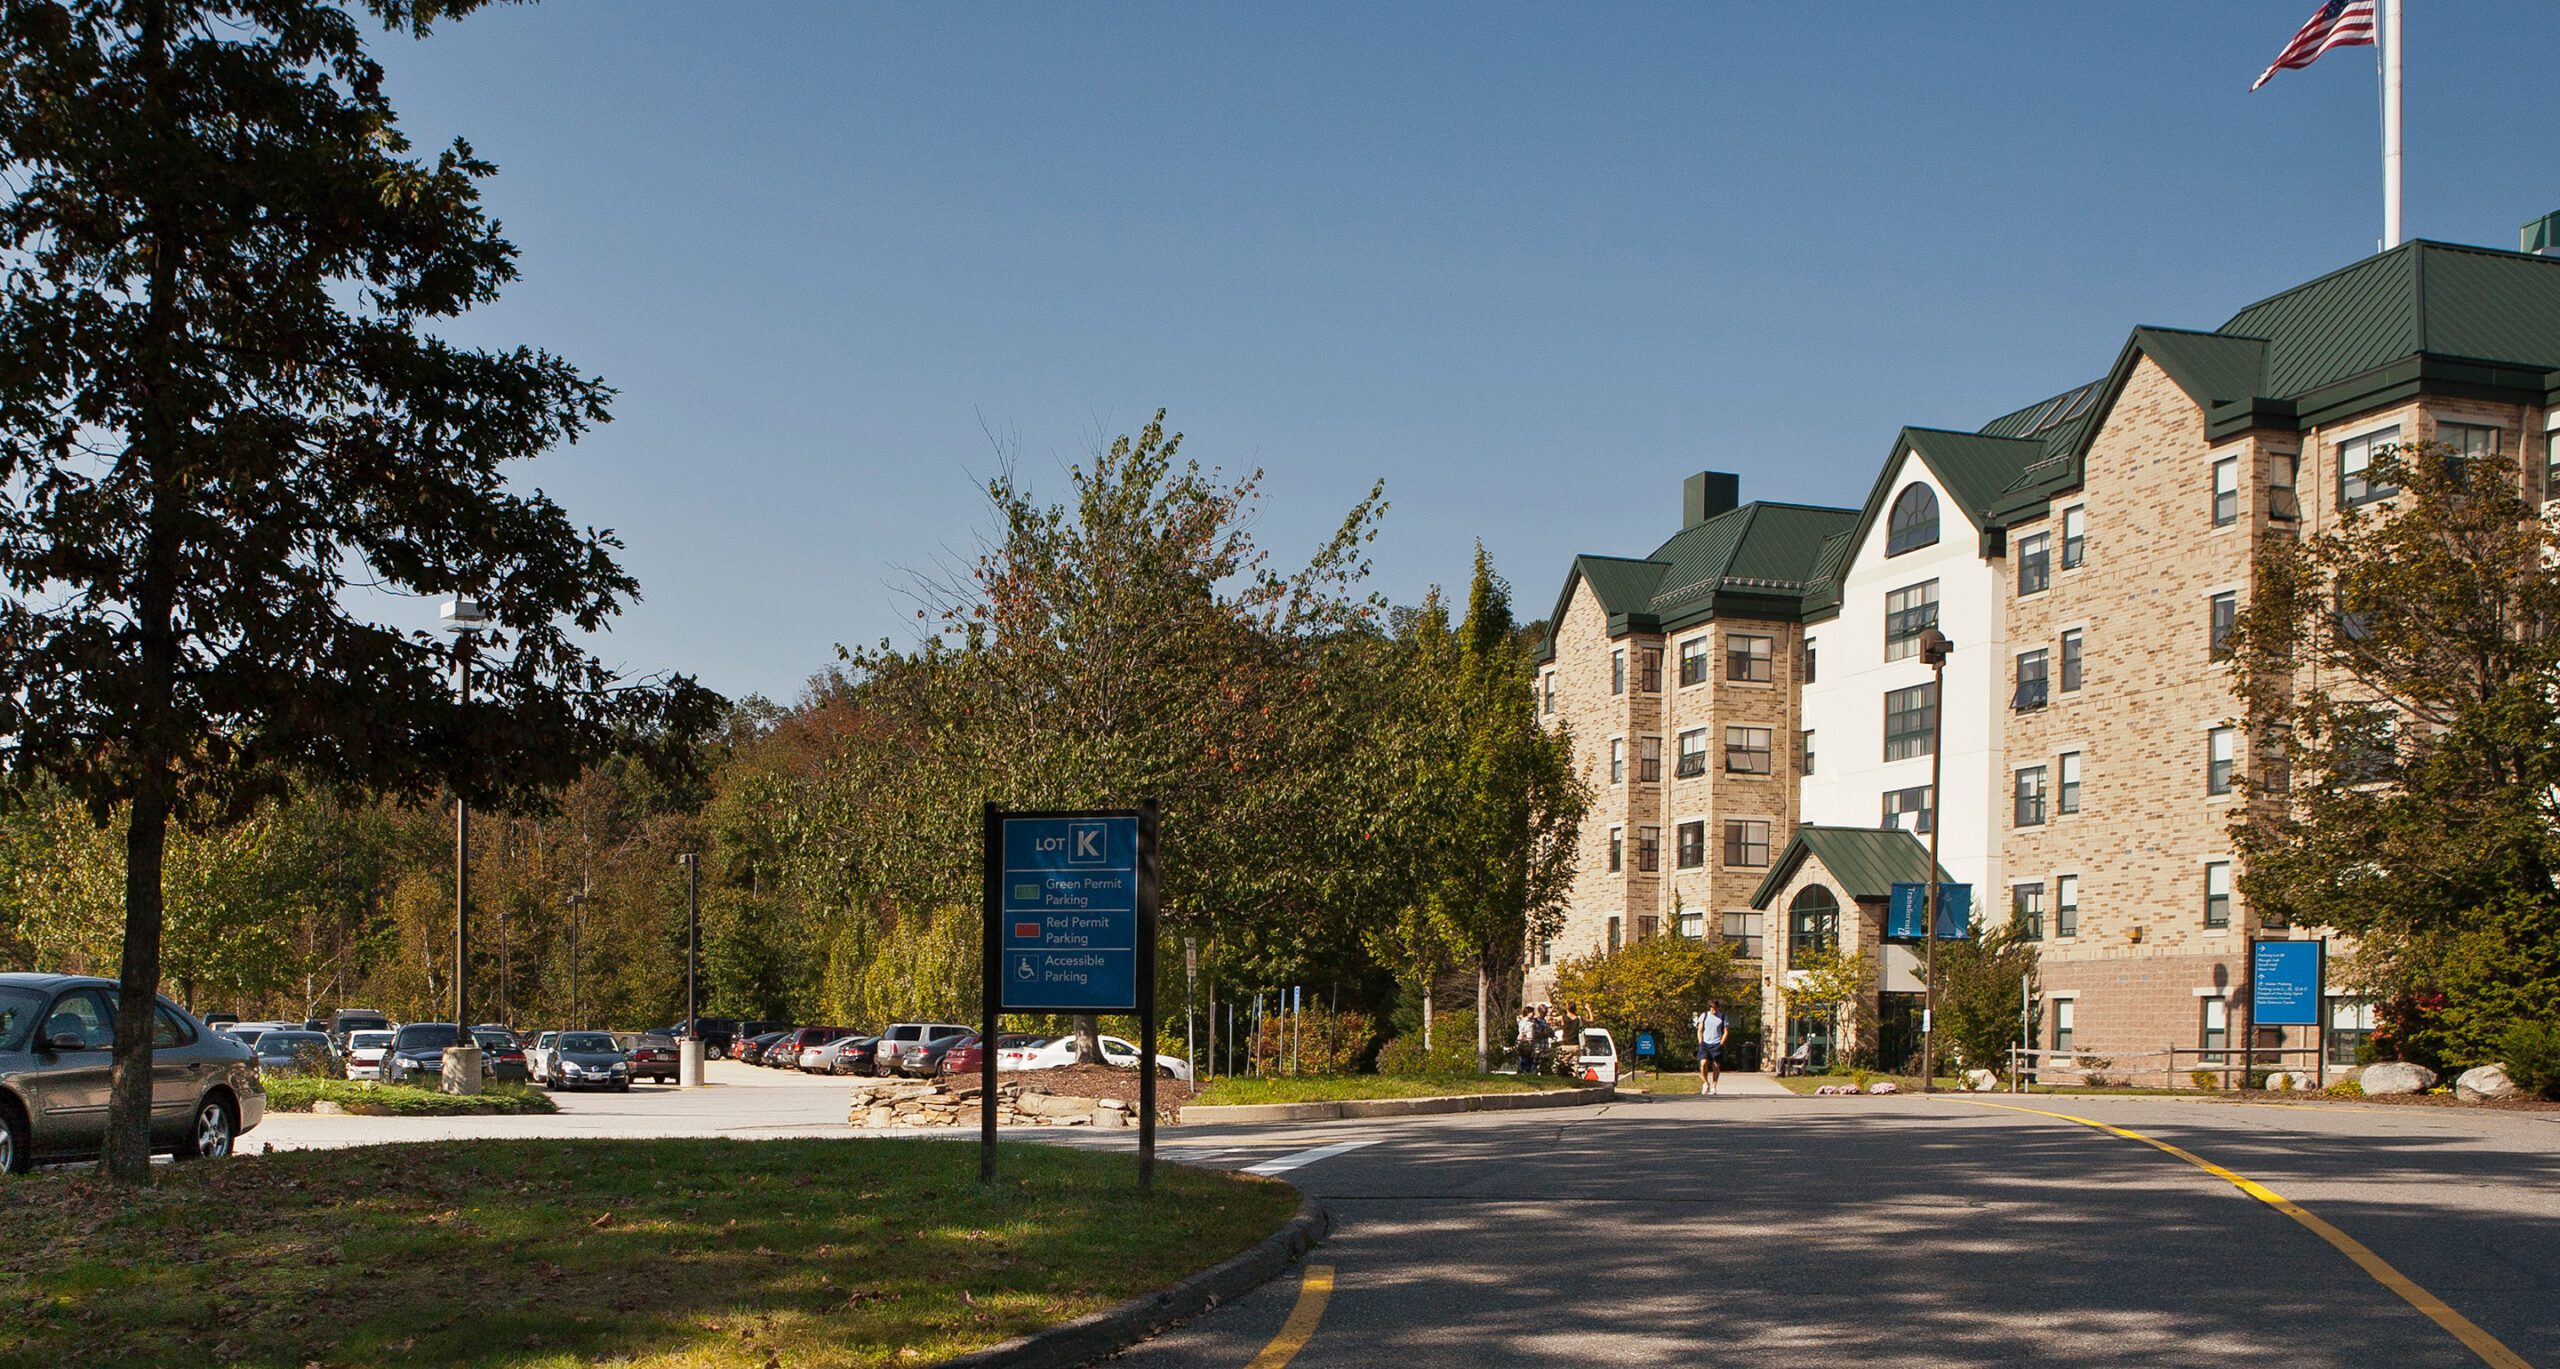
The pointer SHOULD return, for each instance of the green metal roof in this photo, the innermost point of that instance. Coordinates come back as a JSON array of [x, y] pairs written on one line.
[[1975, 468], [1866, 862], [2213, 368], [1754, 561]]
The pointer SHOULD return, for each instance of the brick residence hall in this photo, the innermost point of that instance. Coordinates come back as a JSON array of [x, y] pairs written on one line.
[[1749, 704]]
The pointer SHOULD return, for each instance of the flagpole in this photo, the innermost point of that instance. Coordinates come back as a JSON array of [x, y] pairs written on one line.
[[2390, 124]]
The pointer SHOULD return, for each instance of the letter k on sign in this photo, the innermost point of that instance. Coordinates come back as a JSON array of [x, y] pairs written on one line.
[[1087, 846]]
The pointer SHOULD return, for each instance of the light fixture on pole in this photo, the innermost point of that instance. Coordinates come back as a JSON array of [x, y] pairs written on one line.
[[689, 1046], [463, 618], [1934, 649], [577, 919]]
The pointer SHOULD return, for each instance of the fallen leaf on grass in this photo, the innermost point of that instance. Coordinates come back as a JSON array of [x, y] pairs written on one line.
[[603, 1219]]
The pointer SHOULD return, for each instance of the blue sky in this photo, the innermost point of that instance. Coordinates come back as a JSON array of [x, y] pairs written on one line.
[[1529, 264]]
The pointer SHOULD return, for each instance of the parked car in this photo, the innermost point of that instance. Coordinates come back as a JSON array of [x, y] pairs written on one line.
[[719, 1035], [297, 1052], [752, 1052], [785, 1053], [537, 1057], [57, 1037], [750, 1030], [1117, 1053], [902, 1045], [364, 1053], [347, 1021], [653, 1055], [219, 1020], [958, 1055], [500, 1057], [846, 1055], [588, 1060], [417, 1054]]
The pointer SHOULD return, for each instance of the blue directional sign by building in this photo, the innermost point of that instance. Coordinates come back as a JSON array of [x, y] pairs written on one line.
[[1069, 914], [2284, 987], [1908, 908]]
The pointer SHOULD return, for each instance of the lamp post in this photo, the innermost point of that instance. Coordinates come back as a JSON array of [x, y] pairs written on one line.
[[689, 1047], [577, 918], [1934, 648], [465, 620]]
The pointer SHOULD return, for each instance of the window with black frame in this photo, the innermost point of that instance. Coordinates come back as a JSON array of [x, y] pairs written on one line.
[[1693, 754], [2073, 647], [2222, 616], [1908, 809], [1692, 849], [1913, 521], [2026, 908], [2035, 563], [2075, 536], [1693, 661], [1910, 721], [2030, 796], [1908, 613], [2358, 482], [1813, 923], [1746, 843], [2031, 681], [1749, 750], [1750, 659]]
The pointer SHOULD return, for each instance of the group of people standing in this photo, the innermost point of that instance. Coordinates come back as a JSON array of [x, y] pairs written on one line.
[[1545, 1038]]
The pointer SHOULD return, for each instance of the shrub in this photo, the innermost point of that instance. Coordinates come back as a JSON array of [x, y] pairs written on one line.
[[1453, 1047], [2532, 1056], [296, 1093], [2205, 1080], [2346, 1088]]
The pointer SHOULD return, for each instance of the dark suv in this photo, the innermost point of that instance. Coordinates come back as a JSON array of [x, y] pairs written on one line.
[[719, 1035]]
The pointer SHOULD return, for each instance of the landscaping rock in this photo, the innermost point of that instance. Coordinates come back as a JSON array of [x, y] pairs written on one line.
[[1981, 1081], [2396, 1076], [1884, 1086], [327, 1107], [2483, 1083], [2282, 1082]]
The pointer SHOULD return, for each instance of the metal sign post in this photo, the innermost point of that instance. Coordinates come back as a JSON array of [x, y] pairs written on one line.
[[1070, 927]]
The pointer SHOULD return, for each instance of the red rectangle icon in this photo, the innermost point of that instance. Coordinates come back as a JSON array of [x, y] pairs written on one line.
[[1026, 931]]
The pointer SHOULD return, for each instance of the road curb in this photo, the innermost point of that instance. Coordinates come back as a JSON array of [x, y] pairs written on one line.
[[1397, 1107], [1115, 1329]]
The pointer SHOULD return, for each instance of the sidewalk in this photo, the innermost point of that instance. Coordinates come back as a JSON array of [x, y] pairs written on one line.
[[1753, 1085]]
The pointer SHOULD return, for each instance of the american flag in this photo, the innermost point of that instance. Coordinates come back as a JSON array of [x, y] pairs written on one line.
[[2339, 24]]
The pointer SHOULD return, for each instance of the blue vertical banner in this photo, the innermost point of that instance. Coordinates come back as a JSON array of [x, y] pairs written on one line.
[[1067, 913], [2285, 983], [1908, 907]]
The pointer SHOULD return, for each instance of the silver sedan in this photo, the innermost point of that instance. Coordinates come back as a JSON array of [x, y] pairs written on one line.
[[57, 1038]]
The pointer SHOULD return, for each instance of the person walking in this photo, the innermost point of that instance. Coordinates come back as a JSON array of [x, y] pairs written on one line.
[[1710, 1025]]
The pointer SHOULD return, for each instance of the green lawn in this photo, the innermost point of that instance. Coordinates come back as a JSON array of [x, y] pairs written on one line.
[[550, 1254], [296, 1093], [1335, 1088]]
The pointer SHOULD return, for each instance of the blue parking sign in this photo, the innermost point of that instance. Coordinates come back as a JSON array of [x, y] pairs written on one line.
[[1067, 913]]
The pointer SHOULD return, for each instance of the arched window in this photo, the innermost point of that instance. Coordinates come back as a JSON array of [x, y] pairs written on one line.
[[1913, 524], [1813, 922]]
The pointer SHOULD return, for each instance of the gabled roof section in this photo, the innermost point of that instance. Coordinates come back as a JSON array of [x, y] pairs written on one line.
[[2213, 368], [1866, 862], [1621, 585], [1754, 561], [1975, 468]]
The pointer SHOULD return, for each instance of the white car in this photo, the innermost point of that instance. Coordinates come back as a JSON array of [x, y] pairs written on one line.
[[1116, 1053], [537, 1057], [365, 1050]]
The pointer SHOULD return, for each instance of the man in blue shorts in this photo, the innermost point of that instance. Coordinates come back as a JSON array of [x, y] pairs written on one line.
[[1710, 1025]]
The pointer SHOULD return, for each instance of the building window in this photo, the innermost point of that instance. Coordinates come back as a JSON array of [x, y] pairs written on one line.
[[2217, 893], [1746, 843], [2223, 615], [1912, 803], [1648, 850], [1913, 523], [2226, 492], [1617, 849], [1749, 659], [1808, 662], [2217, 1030], [1747, 750], [1693, 845], [1742, 933], [2368, 745], [1613, 936], [1813, 923], [1907, 614], [1804, 752], [1649, 760], [2071, 655], [2075, 536], [2030, 796], [2066, 787], [1547, 689], [1910, 721], [2218, 752], [1693, 754], [2035, 562], [2355, 464], [2031, 681], [2350, 1026], [2066, 905], [2062, 1016], [1618, 671], [1649, 663], [1693, 661], [2284, 505], [1647, 926], [1617, 760], [2466, 443], [1693, 926], [2026, 908]]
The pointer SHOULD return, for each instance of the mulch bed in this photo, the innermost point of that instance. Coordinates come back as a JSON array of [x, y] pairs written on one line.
[[1102, 1081], [2401, 1100]]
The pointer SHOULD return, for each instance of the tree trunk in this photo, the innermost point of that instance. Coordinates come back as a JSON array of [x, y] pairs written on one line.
[[126, 1155], [1088, 1039], [1484, 1053], [1426, 1015]]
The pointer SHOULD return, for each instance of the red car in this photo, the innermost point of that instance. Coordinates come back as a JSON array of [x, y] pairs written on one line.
[[964, 1056]]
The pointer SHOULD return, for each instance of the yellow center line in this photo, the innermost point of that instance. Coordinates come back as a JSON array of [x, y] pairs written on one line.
[[2488, 1347], [1314, 1291]]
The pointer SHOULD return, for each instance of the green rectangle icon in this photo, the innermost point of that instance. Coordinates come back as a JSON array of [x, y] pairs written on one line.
[[1026, 893]]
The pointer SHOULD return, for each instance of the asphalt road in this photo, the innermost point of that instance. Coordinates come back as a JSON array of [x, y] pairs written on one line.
[[1801, 1231], [1857, 1231]]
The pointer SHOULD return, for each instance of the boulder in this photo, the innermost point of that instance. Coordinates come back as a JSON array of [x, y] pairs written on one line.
[[2396, 1076], [1981, 1081], [1051, 1105], [2483, 1083], [2283, 1082], [1883, 1086], [877, 1117], [329, 1108]]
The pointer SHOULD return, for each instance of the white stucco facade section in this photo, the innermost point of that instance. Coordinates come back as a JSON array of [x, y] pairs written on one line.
[[1845, 705]]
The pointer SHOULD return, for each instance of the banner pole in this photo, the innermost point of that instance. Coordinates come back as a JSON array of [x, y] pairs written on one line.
[[2391, 236], [990, 982]]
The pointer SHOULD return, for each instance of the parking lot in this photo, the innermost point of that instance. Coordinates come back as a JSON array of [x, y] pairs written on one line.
[[735, 1100]]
